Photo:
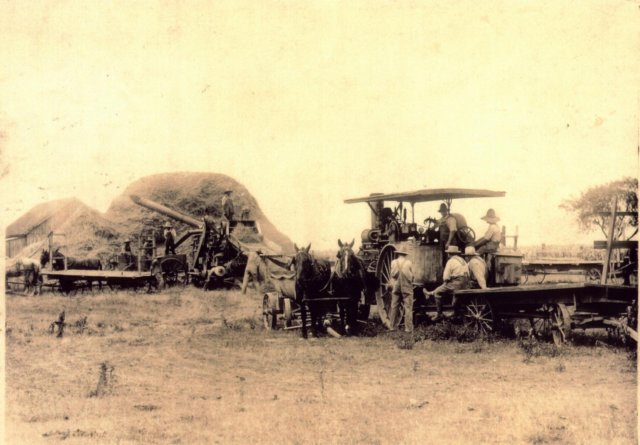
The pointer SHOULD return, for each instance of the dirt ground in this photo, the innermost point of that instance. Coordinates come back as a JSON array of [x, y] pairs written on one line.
[[191, 367]]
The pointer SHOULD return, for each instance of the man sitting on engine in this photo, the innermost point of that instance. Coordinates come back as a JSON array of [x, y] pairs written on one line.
[[455, 277], [477, 267]]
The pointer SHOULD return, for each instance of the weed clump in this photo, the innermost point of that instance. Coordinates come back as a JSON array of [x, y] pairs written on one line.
[[106, 379], [532, 348], [446, 331]]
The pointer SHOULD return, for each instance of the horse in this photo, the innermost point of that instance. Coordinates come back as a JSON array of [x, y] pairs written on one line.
[[348, 281], [72, 263], [32, 278], [312, 278], [267, 273]]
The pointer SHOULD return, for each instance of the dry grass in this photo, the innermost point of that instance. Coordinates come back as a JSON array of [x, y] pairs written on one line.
[[197, 367]]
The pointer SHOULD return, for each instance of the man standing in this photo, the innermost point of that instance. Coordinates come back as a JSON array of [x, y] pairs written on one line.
[[227, 205], [169, 239], [455, 276], [450, 224], [402, 282], [477, 266], [490, 242]]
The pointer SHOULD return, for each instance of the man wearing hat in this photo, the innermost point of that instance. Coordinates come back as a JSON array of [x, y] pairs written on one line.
[[455, 276], [449, 226], [490, 242], [126, 251], [169, 239], [402, 282], [227, 205], [477, 266]]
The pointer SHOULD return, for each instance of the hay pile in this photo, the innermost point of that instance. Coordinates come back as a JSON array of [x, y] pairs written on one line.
[[80, 231], [87, 233], [188, 193]]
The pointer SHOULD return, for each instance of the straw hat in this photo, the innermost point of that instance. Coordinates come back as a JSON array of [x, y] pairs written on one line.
[[491, 216], [470, 251], [452, 249], [401, 252], [167, 225]]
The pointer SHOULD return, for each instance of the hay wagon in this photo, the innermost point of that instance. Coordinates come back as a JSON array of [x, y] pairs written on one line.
[[125, 271], [551, 309]]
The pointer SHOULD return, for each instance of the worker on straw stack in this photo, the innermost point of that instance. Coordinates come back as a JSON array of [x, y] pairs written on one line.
[[227, 205], [490, 242], [477, 267], [402, 290], [455, 277], [169, 239]]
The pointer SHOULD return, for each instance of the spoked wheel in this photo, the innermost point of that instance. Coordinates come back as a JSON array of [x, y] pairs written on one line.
[[479, 316], [466, 235], [541, 324], [269, 317], [173, 272], [288, 312], [383, 272], [560, 324]]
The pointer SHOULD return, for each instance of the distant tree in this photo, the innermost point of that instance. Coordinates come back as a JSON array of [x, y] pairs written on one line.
[[593, 207]]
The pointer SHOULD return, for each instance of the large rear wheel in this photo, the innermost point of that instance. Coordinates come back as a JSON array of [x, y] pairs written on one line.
[[383, 272]]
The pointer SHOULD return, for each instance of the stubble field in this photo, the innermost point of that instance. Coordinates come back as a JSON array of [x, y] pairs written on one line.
[[190, 367]]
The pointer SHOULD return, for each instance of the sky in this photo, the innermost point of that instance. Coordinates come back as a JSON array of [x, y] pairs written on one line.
[[310, 103]]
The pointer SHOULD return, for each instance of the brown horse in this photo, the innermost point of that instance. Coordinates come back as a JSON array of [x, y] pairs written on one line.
[[348, 281], [311, 283]]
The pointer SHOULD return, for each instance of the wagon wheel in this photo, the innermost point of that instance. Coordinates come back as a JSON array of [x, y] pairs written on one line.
[[560, 324], [269, 317], [288, 312], [541, 322], [383, 272], [593, 275], [478, 315], [172, 269]]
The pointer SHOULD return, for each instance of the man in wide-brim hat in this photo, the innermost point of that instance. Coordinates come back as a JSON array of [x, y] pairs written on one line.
[[170, 236], [402, 291], [490, 242], [455, 277], [227, 205]]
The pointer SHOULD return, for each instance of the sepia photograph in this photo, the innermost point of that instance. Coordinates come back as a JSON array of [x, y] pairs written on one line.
[[319, 222]]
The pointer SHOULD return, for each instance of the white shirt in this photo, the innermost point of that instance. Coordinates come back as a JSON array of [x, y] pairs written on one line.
[[455, 267], [493, 233], [402, 272]]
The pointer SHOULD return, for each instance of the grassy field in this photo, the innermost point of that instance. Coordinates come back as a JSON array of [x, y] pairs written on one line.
[[191, 367]]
